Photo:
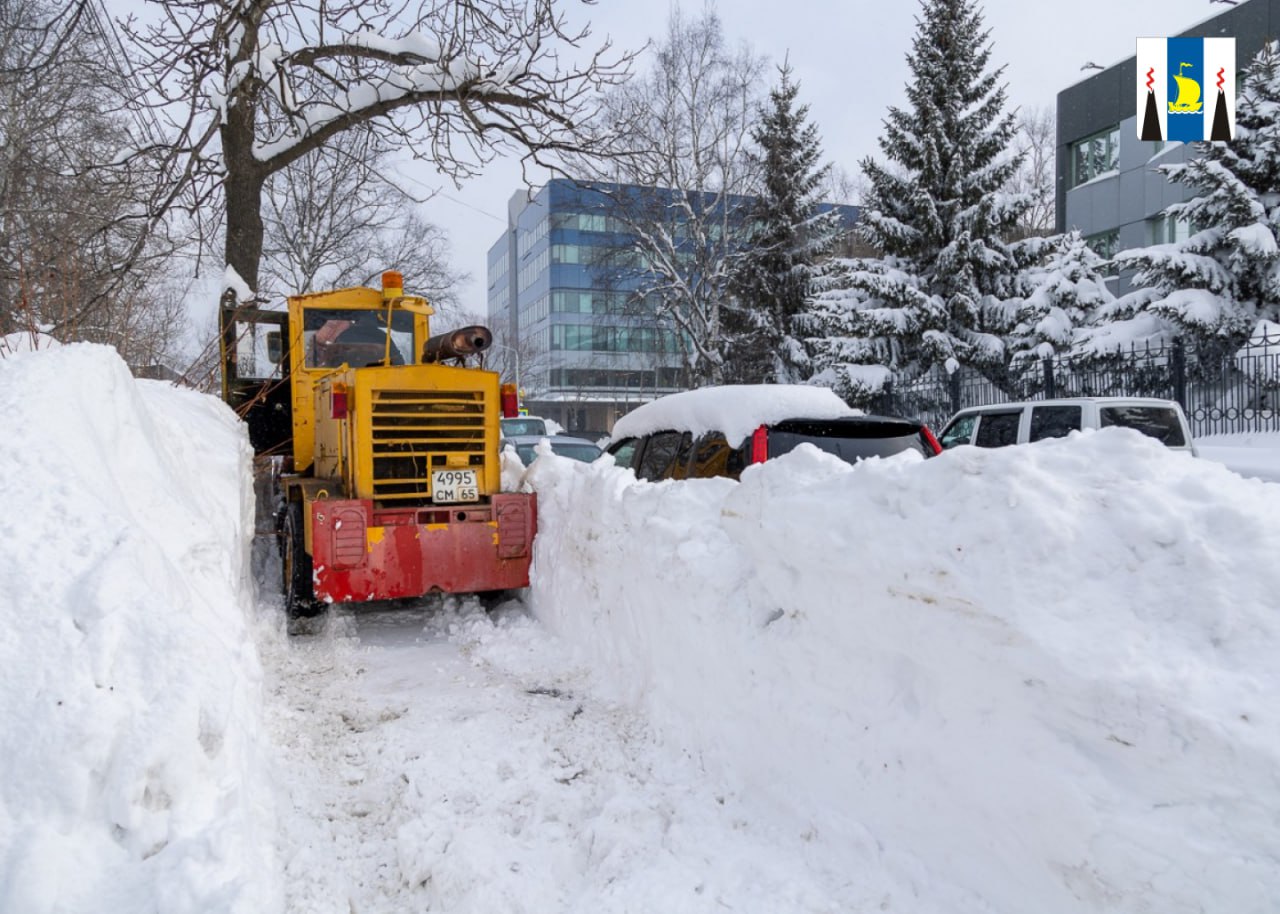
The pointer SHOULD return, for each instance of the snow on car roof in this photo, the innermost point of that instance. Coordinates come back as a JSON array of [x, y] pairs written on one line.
[[736, 409]]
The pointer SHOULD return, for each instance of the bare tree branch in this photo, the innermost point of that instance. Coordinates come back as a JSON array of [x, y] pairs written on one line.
[[681, 133], [246, 88]]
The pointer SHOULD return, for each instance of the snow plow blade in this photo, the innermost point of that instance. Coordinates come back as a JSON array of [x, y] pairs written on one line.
[[361, 553]]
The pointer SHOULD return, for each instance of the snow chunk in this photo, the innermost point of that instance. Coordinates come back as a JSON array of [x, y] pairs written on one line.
[[231, 280]]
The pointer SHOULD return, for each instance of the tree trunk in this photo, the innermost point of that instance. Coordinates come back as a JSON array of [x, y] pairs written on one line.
[[244, 182], [245, 174]]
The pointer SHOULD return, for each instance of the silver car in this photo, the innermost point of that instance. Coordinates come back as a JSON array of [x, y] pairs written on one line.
[[563, 445]]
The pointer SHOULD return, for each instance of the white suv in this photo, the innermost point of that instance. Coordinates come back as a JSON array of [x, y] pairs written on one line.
[[1019, 423]]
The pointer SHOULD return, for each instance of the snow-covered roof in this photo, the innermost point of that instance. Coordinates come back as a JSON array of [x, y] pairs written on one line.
[[735, 409]]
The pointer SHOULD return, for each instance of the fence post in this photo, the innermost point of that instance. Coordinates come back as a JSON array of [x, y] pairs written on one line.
[[1050, 386], [953, 388], [1179, 365], [886, 406]]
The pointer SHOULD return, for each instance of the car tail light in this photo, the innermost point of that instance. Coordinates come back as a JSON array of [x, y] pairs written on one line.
[[338, 402], [760, 445], [930, 440]]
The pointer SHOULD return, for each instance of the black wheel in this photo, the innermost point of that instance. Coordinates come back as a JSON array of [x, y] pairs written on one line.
[[299, 592]]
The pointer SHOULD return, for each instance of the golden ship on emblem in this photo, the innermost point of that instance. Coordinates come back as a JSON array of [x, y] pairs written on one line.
[[1188, 100]]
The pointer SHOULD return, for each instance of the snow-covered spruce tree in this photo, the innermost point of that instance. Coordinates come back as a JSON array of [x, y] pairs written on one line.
[[938, 212], [1212, 288], [788, 235], [1059, 288]]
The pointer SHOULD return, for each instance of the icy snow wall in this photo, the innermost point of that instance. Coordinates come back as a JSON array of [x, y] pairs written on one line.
[[132, 775], [1041, 678]]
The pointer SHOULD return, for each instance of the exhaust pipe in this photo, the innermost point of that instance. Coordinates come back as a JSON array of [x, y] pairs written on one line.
[[457, 344]]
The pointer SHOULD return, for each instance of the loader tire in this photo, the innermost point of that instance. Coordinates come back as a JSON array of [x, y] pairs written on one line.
[[299, 590]]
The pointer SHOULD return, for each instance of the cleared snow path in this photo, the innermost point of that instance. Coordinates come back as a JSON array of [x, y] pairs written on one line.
[[443, 759]]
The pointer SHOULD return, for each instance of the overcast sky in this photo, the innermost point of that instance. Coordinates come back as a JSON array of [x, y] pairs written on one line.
[[849, 56]]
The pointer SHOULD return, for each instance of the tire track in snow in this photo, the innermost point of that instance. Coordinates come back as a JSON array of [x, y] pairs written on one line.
[[445, 759]]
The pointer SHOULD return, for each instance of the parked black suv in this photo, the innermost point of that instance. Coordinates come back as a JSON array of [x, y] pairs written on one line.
[[691, 450]]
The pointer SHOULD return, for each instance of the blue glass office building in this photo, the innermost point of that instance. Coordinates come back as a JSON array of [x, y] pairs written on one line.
[[590, 348]]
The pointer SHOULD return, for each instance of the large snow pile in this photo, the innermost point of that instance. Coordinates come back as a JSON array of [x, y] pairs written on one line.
[[1038, 679], [132, 772]]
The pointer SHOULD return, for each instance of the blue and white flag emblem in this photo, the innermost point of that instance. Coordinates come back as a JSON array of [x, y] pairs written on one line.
[[1186, 89]]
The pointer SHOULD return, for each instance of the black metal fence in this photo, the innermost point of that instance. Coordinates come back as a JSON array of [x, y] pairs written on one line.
[[1221, 392]]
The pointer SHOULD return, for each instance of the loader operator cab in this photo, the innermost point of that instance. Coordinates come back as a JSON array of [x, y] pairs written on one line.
[[355, 337]]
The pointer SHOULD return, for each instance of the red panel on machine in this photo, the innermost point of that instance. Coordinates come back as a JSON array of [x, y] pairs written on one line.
[[408, 559]]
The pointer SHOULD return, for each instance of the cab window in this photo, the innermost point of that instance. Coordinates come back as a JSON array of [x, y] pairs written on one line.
[[998, 429], [624, 452], [679, 468], [960, 431], [659, 454], [1158, 422], [712, 457], [1053, 422], [355, 337]]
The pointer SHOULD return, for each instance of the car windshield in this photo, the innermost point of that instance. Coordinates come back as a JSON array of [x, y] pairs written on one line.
[[513, 428]]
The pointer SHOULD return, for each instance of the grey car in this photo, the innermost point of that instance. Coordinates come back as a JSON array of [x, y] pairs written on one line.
[[564, 445]]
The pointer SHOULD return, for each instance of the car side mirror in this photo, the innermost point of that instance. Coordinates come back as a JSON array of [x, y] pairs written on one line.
[[274, 348]]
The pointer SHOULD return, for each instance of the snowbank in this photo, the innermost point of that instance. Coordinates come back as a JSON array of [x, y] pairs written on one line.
[[1252, 454], [1030, 679], [132, 776]]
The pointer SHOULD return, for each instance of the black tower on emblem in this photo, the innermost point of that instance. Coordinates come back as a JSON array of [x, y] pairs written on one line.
[[1221, 131], [1151, 119]]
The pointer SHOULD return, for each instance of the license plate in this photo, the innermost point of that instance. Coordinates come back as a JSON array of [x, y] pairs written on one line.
[[452, 486]]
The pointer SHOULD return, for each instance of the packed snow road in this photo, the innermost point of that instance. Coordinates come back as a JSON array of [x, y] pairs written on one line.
[[438, 758]]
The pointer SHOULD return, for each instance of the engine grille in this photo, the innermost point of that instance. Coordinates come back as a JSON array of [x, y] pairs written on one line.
[[415, 431]]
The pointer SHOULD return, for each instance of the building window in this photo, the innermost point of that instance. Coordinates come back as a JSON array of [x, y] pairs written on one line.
[[1095, 155], [586, 222], [581, 301], [533, 269], [528, 239], [582, 338], [607, 338], [1104, 244], [1168, 228], [566, 253], [619, 379], [532, 313]]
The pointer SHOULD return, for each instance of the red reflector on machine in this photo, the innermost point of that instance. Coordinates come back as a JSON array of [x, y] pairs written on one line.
[[338, 402]]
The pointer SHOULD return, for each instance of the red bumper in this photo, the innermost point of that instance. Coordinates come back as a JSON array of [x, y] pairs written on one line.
[[360, 553]]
